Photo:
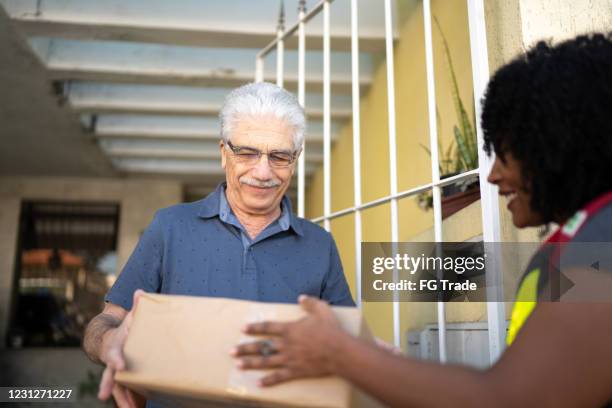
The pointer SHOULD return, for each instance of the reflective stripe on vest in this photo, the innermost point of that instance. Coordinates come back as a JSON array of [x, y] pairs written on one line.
[[526, 300]]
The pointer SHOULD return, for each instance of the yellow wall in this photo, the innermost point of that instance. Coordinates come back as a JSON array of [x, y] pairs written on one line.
[[512, 25], [414, 166]]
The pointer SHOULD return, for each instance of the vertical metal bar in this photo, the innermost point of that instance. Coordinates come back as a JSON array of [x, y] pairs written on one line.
[[279, 62], [326, 118], [302, 101], [435, 170], [392, 156], [259, 69], [356, 143], [280, 46], [488, 192]]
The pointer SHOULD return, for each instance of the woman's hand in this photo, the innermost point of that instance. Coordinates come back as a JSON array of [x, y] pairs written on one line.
[[304, 348]]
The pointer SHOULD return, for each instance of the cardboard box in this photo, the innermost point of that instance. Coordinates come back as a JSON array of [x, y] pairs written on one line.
[[177, 353]]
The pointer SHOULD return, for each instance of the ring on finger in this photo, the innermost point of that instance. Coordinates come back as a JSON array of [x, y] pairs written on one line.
[[266, 348]]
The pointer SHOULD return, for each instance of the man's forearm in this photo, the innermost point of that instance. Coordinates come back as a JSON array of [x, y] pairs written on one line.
[[407, 382], [94, 334]]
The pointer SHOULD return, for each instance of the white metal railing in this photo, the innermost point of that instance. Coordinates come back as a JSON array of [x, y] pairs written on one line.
[[302, 101], [280, 47], [489, 199], [326, 117], [355, 91], [435, 169], [392, 159]]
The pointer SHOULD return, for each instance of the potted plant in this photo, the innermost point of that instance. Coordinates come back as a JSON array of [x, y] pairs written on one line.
[[460, 156]]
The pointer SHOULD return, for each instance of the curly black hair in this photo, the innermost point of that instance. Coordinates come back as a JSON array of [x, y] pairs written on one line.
[[551, 108]]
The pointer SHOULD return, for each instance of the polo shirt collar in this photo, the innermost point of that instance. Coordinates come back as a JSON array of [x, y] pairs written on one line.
[[294, 222], [211, 204]]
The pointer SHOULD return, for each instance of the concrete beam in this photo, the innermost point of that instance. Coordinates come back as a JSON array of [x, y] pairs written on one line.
[[140, 63], [227, 80], [184, 37], [178, 128], [231, 23], [87, 97]]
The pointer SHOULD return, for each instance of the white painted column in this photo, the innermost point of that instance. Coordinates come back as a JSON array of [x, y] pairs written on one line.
[[489, 200]]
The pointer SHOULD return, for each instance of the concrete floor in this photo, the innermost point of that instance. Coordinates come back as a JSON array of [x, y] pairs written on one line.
[[51, 367]]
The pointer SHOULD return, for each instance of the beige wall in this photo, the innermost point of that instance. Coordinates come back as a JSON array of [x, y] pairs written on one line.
[[515, 25], [138, 200], [563, 19]]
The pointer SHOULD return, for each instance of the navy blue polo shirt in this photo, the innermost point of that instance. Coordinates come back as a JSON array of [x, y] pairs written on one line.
[[201, 249]]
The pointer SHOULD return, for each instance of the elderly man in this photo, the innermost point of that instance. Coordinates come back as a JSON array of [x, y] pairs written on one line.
[[242, 241]]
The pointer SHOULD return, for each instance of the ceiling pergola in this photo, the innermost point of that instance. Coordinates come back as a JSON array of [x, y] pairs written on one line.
[[146, 78]]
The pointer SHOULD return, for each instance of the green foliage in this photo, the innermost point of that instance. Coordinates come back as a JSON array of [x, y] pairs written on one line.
[[446, 158], [466, 155], [462, 153]]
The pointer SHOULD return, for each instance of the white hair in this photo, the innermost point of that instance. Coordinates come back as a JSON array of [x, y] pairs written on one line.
[[262, 98]]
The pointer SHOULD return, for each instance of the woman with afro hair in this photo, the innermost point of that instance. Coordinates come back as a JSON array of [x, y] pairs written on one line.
[[547, 116]]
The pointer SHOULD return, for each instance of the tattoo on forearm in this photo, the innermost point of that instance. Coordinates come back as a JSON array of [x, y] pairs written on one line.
[[92, 343]]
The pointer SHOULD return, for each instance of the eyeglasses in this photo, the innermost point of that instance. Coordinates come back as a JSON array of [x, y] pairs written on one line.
[[250, 155]]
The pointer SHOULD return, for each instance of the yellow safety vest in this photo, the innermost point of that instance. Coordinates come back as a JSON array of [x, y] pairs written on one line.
[[527, 294]]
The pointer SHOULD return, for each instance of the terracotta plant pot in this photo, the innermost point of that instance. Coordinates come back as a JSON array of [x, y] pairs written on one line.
[[457, 201]]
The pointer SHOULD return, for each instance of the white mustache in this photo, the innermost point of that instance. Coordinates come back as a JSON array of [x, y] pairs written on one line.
[[258, 183]]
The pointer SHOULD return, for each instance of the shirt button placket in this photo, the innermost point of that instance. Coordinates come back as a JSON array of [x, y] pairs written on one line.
[[250, 261], [245, 259]]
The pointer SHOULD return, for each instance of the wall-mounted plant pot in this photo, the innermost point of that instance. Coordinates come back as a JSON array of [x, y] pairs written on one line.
[[458, 201], [450, 189]]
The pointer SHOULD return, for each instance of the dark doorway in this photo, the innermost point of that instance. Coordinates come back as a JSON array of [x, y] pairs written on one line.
[[65, 261]]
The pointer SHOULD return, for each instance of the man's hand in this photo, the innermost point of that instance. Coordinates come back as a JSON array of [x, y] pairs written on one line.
[[112, 356], [304, 348]]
